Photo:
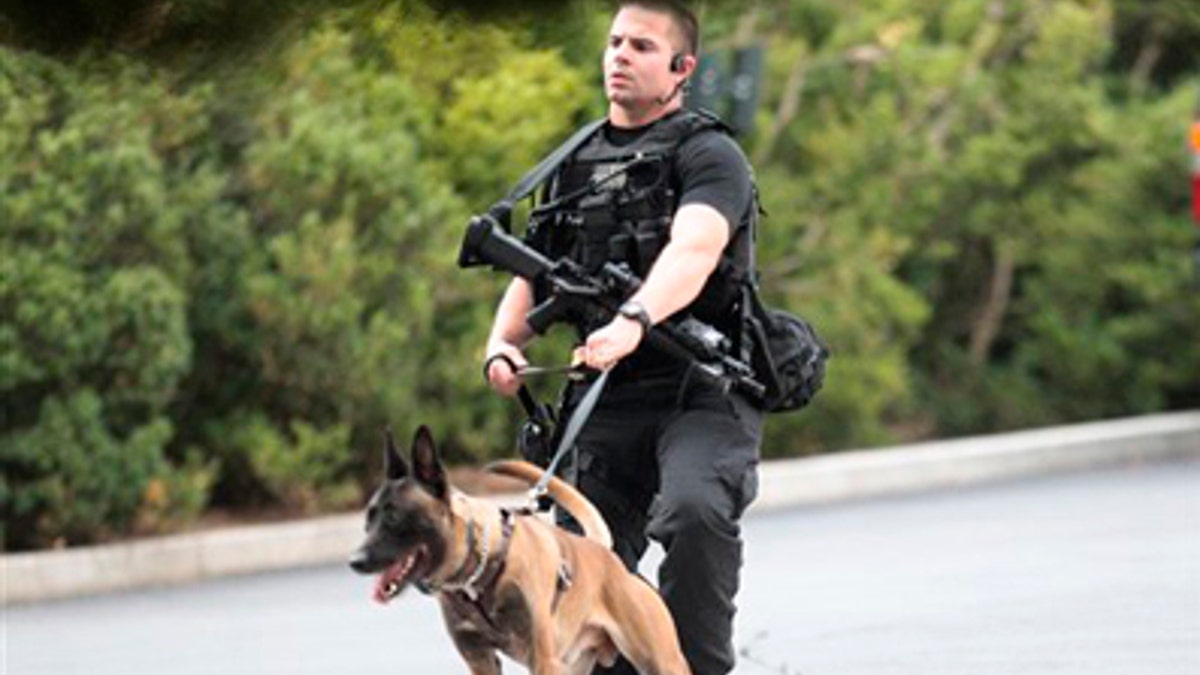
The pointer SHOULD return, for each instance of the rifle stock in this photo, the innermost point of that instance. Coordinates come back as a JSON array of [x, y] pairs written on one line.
[[486, 243]]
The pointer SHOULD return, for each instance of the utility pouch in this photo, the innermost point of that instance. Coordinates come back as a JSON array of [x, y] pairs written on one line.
[[595, 232], [535, 440], [788, 356]]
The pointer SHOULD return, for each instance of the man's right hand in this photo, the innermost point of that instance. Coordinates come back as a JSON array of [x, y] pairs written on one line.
[[500, 373]]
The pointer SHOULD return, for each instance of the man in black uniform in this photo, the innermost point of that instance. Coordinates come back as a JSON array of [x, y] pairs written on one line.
[[663, 455]]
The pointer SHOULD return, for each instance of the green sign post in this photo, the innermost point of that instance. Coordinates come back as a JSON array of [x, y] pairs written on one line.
[[728, 82]]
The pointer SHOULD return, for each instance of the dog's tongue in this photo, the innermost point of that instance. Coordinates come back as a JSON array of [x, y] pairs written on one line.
[[394, 574], [380, 594]]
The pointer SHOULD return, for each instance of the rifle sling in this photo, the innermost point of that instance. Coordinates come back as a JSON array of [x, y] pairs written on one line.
[[550, 163]]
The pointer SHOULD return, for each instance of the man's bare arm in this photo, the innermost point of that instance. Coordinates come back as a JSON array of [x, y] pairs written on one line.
[[699, 234]]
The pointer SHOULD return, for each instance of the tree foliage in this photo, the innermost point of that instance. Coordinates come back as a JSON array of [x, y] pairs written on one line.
[[229, 230], [985, 210], [94, 297]]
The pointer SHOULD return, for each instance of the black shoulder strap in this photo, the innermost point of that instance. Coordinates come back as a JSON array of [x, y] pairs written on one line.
[[681, 126], [538, 174], [710, 120], [695, 120]]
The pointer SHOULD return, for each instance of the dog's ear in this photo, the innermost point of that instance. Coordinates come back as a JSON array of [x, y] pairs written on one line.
[[427, 468], [394, 466]]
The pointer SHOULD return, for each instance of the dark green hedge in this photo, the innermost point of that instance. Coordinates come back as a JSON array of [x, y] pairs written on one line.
[[227, 268]]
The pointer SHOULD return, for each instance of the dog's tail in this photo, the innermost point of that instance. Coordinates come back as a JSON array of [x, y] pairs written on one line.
[[563, 494]]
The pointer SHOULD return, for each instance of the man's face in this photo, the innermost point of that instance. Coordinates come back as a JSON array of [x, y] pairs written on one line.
[[638, 57]]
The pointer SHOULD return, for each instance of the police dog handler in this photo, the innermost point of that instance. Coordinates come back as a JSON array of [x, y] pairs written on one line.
[[657, 435]]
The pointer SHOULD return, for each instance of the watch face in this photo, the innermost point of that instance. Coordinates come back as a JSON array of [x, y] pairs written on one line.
[[634, 311]]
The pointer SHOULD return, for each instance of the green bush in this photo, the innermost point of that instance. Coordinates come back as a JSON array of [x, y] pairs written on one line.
[[95, 339], [306, 470], [980, 216], [224, 271], [69, 479]]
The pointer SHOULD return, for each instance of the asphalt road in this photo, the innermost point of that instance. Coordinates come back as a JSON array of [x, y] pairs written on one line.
[[1095, 573]]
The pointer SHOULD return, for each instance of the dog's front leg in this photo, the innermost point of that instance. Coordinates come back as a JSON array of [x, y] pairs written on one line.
[[544, 658], [479, 654], [482, 661], [488, 664]]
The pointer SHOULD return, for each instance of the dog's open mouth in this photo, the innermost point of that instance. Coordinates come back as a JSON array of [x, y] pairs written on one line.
[[397, 576]]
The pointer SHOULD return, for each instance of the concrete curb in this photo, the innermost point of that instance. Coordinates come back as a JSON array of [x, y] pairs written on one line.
[[981, 459], [41, 576]]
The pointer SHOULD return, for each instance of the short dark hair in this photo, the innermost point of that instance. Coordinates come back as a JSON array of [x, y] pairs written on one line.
[[681, 16]]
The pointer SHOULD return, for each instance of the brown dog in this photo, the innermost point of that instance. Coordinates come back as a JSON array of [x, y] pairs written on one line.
[[509, 582]]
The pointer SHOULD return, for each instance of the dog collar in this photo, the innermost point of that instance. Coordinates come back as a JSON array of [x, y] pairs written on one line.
[[468, 586]]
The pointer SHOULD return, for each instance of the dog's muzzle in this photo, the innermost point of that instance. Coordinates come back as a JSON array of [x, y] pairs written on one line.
[[361, 562]]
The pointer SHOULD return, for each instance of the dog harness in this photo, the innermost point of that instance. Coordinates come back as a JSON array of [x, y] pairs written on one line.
[[472, 597]]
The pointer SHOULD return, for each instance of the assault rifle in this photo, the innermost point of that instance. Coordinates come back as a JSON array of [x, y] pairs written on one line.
[[576, 295]]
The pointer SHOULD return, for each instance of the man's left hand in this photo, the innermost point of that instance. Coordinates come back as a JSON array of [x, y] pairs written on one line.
[[608, 345]]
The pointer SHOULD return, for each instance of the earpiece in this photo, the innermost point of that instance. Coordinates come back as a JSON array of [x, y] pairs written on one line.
[[678, 63]]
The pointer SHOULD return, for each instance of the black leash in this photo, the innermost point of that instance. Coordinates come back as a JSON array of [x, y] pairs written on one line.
[[578, 418]]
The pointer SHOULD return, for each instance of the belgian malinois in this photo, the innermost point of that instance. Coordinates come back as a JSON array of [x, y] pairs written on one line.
[[551, 600]]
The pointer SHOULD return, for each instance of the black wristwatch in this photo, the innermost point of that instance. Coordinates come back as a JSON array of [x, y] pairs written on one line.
[[634, 310]]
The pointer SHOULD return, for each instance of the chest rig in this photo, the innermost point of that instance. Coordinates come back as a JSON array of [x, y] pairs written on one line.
[[614, 202]]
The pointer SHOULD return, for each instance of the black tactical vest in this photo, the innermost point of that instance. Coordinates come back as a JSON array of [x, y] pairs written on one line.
[[610, 203]]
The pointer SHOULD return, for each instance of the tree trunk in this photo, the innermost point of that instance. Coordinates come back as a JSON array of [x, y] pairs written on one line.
[[789, 105], [1147, 58], [991, 317]]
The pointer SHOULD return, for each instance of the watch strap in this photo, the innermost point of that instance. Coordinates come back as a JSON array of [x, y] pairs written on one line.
[[636, 311]]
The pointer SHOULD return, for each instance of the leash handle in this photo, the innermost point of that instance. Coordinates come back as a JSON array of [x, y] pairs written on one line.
[[574, 372], [523, 393]]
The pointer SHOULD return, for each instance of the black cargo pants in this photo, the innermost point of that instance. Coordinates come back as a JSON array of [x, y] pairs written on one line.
[[679, 466]]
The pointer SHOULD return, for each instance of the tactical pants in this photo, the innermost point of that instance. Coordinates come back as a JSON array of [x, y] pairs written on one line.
[[679, 467]]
